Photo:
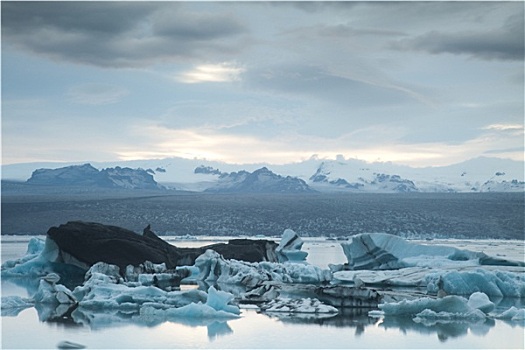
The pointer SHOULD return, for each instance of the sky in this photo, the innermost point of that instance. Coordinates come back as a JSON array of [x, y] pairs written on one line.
[[415, 83]]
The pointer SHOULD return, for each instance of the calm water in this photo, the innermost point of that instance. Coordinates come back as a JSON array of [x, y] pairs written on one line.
[[351, 329]]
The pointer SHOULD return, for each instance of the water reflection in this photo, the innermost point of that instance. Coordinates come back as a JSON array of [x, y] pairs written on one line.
[[75, 316], [443, 329]]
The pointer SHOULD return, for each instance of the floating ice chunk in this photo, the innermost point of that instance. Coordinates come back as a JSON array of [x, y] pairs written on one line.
[[109, 270], [213, 267], [449, 304], [345, 296], [306, 305], [220, 300], [429, 317], [217, 306], [377, 251], [289, 249], [452, 310], [107, 291], [50, 293], [481, 302], [34, 248], [492, 283], [13, 305], [69, 345], [513, 314], [40, 260], [408, 277]]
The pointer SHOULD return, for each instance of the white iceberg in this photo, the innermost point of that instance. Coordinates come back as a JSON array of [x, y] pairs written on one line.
[[481, 302]]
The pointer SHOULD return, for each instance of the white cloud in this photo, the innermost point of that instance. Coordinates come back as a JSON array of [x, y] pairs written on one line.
[[504, 127], [215, 73]]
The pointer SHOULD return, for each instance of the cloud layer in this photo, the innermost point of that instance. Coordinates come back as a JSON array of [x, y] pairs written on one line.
[[418, 82]]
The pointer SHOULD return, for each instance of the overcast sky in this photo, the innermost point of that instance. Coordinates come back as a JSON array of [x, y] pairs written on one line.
[[418, 83]]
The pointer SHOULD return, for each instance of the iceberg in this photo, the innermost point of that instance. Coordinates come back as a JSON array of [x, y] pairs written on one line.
[[493, 283], [513, 314], [381, 251], [289, 249], [213, 267], [13, 305], [432, 285], [450, 308], [303, 305], [481, 302], [467, 280]]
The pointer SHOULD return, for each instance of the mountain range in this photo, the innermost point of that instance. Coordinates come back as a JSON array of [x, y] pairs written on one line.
[[481, 174], [88, 176]]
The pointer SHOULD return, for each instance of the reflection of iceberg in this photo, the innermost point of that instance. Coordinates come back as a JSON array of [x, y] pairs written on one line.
[[13, 305]]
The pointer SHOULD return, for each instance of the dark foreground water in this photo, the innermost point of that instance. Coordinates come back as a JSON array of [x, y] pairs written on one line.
[[350, 329]]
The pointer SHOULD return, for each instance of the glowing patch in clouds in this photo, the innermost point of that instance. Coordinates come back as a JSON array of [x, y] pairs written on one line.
[[504, 127], [216, 73]]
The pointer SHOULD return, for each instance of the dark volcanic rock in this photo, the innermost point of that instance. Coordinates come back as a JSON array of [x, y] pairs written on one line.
[[86, 243]]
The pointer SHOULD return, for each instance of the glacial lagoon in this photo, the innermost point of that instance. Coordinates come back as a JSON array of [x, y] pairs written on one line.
[[351, 328]]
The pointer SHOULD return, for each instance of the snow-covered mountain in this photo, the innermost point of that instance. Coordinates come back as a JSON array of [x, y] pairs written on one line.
[[481, 174], [87, 175], [260, 181]]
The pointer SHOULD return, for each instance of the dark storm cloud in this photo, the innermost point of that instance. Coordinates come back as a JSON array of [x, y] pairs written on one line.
[[116, 34], [505, 43]]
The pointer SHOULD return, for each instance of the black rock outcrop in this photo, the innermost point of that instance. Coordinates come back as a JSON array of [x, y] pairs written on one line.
[[86, 243]]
